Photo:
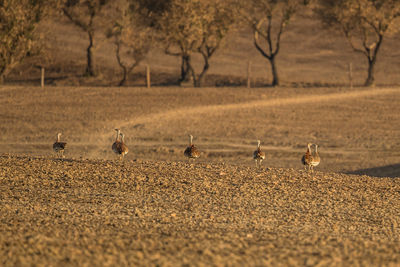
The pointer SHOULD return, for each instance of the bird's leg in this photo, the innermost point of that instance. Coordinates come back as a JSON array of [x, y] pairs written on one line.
[[256, 163]]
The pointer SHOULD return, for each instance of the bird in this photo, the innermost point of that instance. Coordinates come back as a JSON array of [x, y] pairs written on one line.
[[59, 146], [258, 155], [315, 158], [191, 151], [307, 157], [119, 147], [115, 145]]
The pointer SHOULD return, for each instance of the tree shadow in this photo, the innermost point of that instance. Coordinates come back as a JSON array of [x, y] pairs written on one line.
[[392, 171]]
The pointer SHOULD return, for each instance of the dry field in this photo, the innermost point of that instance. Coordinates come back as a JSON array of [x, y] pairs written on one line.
[[357, 129], [156, 209], [154, 213]]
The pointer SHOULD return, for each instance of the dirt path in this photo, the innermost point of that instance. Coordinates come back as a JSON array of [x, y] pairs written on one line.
[[173, 114]]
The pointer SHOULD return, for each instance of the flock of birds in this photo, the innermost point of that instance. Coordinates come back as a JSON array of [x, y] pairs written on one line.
[[309, 159]]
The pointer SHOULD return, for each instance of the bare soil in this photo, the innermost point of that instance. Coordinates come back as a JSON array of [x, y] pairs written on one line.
[[100, 213]]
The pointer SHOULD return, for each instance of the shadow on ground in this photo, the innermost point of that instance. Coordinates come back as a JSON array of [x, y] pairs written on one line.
[[384, 171]]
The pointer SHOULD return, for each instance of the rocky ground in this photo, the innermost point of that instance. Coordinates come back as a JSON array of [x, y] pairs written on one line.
[[72, 212]]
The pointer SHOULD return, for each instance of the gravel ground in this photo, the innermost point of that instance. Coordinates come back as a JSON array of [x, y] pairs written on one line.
[[100, 212]]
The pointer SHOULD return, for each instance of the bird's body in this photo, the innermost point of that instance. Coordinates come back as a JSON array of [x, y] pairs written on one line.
[[117, 142], [307, 158], [258, 155], [119, 147], [59, 146], [191, 152], [122, 148]]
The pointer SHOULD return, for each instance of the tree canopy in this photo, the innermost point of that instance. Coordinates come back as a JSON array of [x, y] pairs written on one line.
[[18, 38]]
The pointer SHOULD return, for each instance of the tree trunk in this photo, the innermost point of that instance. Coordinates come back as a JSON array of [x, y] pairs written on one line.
[[201, 76], [4, 73], [89, 53], [370, 81], [185, 75], [124, 74], [274, 70]]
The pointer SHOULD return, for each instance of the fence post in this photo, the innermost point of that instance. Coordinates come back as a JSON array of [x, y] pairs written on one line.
[[351, 74], [42, 77], [249, 74], [148, 83]]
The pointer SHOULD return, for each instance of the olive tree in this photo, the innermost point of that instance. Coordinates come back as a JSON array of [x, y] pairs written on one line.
[[131, 36], [364, 23], [194, 26], [18, 27]]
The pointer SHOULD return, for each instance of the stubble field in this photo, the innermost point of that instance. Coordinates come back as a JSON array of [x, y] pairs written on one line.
[[155, 208]]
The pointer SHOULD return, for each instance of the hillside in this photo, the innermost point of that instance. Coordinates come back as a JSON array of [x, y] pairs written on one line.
[[97, 212], [310, 56]]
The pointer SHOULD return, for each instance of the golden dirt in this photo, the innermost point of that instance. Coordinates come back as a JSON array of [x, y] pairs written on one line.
[[96, 212]]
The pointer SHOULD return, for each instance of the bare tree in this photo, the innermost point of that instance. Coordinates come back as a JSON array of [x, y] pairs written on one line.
[[18, 38], [82, 13], [364, 23], [131, 36], [269, 20]]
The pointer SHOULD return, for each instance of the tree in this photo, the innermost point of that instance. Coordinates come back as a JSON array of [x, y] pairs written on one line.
[[217, 23], [268, 20], [131, 36], [82, 13], [197, 26], [364, 23], [18, 25]]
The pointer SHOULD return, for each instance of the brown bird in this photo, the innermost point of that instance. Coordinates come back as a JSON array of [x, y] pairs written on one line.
[[59, 146], [191, 151], [119, 147], [116, 144], [258, 155], [315, 158], [307, 157]]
